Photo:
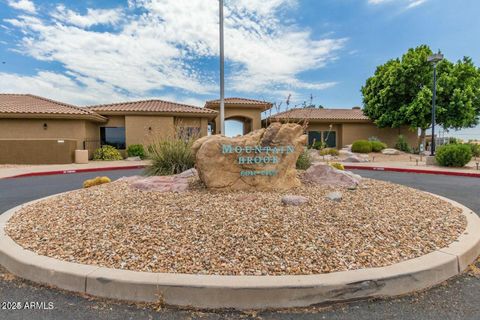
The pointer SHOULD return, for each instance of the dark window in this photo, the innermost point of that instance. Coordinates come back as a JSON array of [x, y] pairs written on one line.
[[114, 137], [314, 136], [330, 139]]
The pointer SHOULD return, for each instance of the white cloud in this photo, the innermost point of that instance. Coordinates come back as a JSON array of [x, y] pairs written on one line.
[[93, 16], [161, 48], [408, 3], [415, 3], [25, 5]]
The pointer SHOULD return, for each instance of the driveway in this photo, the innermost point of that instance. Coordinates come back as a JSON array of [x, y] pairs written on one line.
[[457, 298]]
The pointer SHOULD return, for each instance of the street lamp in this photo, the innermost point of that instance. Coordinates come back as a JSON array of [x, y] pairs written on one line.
[[434, 59], [222, 72]]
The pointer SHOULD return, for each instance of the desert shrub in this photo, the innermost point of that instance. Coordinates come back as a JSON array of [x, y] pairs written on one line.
[[362, 146], [136, 150], [453, 155], [170, 156], [304, 161], [337, 165], [329, 151], [402, 144], [318, 145], [475, 148], [95, 182], [377, 146], [453, 140], [107, 153]]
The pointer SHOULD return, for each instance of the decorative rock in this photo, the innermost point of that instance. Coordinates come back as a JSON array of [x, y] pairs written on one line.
[[314, 155], [326, 175], [175, 183], [345, 153], [292, 200], [391, 152], [133, 159], [217, 159], [190, 173], [335, 196], [355, 158]]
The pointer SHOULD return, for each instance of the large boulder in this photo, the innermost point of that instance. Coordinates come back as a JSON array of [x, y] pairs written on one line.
[[326, 175], [264, 159]]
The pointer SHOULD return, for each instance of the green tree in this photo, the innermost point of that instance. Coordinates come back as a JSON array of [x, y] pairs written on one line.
[[400, 93]]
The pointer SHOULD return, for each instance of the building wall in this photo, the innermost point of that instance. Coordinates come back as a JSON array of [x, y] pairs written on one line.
[[59, 129], [201, 123], [37, 151], [356, 131], [114, 121], [146, 129]]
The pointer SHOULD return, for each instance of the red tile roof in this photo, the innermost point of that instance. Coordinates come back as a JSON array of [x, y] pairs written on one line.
[[150, 106], [240, 101], [321, 114], [28, 104]]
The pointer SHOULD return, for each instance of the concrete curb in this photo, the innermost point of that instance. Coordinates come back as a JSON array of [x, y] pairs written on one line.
[[409, 170], [245, 292], [56, 172]]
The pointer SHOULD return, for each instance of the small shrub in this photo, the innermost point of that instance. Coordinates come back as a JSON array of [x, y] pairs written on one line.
[[402, 144], [329, 151], [95, 182], [475, 148], [170, 156], [362, 146], [377, 146], [453, 155], [337, 165], [304, 161], [107, 153], [318, 145], [136, 150]]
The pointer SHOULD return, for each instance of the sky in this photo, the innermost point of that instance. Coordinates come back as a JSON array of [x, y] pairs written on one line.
[[91, 52]]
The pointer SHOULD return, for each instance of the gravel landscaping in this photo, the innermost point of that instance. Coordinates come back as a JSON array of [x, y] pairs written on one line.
[[238, 233]]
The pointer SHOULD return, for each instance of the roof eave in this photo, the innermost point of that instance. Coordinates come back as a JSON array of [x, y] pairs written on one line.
[[95, 118]]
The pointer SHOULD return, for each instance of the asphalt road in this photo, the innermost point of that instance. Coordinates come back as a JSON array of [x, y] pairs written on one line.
[[457, 298]]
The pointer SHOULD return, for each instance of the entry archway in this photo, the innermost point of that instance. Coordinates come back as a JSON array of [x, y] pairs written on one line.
[[237, 125]]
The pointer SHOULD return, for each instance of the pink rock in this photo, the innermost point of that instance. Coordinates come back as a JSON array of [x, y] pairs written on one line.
[[320, 173], [355, 158], [292, 200]]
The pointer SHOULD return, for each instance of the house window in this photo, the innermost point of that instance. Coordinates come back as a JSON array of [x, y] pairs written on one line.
[[113, 136], [328, 137], [189, 132]]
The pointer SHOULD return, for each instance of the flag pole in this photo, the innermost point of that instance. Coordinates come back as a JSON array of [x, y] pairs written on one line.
[[222, 73]]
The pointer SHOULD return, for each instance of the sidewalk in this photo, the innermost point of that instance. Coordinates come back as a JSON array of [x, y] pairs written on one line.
[[7, 171], [414, 166]]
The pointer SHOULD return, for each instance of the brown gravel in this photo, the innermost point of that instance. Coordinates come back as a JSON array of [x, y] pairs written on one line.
[[241, 233]]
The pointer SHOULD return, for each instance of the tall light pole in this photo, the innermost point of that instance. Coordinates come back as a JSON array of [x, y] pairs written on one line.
[[222, 72], [434, 59]]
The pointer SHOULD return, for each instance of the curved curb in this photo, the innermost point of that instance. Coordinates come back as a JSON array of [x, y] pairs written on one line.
[[71, 171], [409, 170], [245, 292]]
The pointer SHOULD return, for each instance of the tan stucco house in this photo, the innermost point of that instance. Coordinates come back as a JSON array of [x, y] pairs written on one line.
[[341, 127], [36, 130]]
